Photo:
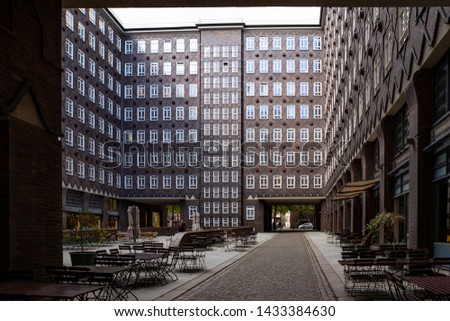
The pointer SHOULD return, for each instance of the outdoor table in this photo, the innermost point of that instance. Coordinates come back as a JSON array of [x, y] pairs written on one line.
[[52, 291], [151, 268], [437, 287]]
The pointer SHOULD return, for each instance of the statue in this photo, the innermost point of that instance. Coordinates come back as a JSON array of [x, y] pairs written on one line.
[[196, 222]]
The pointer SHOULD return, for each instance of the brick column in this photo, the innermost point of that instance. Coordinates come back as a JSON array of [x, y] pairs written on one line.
[[30, 123], [356, 227], [419, 100]]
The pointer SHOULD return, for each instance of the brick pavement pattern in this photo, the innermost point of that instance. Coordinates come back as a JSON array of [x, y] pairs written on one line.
[[282, 269]]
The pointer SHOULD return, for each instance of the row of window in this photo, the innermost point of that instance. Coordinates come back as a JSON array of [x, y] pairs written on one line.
[[281, 181], [81, 29], [167, 68], [167, 89], [91, 91], [216, 222], [276, 111], [291, 158], [154, 182], [277, 89], [291, 135], [81, 113], [99, 175], [154, 112], [183, 159], [81, 57], [276, 43], [220, 208], [192, 136], [91, 142], [166, 46], [277, 66]]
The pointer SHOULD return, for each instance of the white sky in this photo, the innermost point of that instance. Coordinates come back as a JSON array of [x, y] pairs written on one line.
[[133, 18]]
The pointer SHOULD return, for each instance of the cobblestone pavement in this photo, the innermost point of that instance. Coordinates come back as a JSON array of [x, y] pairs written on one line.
[[282, 269]]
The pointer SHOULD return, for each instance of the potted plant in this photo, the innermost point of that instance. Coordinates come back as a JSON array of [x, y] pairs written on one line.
[[87, 222]]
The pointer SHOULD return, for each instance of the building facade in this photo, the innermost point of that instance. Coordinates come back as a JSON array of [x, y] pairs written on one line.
[[224, 120], [387, 121], [228, 120]]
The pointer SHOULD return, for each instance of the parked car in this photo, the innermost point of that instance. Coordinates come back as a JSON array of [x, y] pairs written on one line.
[[306, 226]]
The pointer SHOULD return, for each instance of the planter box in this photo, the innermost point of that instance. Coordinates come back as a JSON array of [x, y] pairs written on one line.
[[82, 258]]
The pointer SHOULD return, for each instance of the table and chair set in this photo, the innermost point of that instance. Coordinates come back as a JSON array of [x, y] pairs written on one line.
[[398, 272]]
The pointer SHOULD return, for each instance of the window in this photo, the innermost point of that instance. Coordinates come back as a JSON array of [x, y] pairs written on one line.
[[388, 41], [154, 46], [276, 43], [193, 68], [290, 182], [303, 66], [317, 181], [263, 112], [317, 43], [290, 89], [317, 65], [128, 182], [179, 91], [81, 114], [167, 68], [69, 166], [80, 141], [277, 112], [101, 25], [290, 43], [68, 136], [290, 66], [404, 13], [264, 89], [441, 90], [304, 89], [304, 135], [290, 111], [277, 66], [141, 69], [141, 47], [304, 181], [154, 69], [193, 45], [318, 135], [69, 49], [277, 181], [250, 135], [303, 43], [264, 66], [167, 91], [179, 68], [167, 113], [180, 45], [167, 46], [128, 92], [304, 114], [250, 181], [277, 89], [250, 66], [401, 129], [81, 86], [250, 89], [69, 20], [92, 41], [250, 213], [277, 133], [193, 182], [317, 111], [128, 47], [318, 158], [250, 44], [167, 182], [154, 91], [69, 107], [318, 88], [290, 135], [263, 43]]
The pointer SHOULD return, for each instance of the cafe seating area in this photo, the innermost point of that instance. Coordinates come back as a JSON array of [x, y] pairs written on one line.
[[393, 272], [122, 268]]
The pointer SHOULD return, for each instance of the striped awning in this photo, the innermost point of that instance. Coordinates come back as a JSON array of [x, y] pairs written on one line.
[[354, 189]]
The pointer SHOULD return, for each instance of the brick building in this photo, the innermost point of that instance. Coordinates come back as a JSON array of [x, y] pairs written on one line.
[[385, 124], [222, 119]]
